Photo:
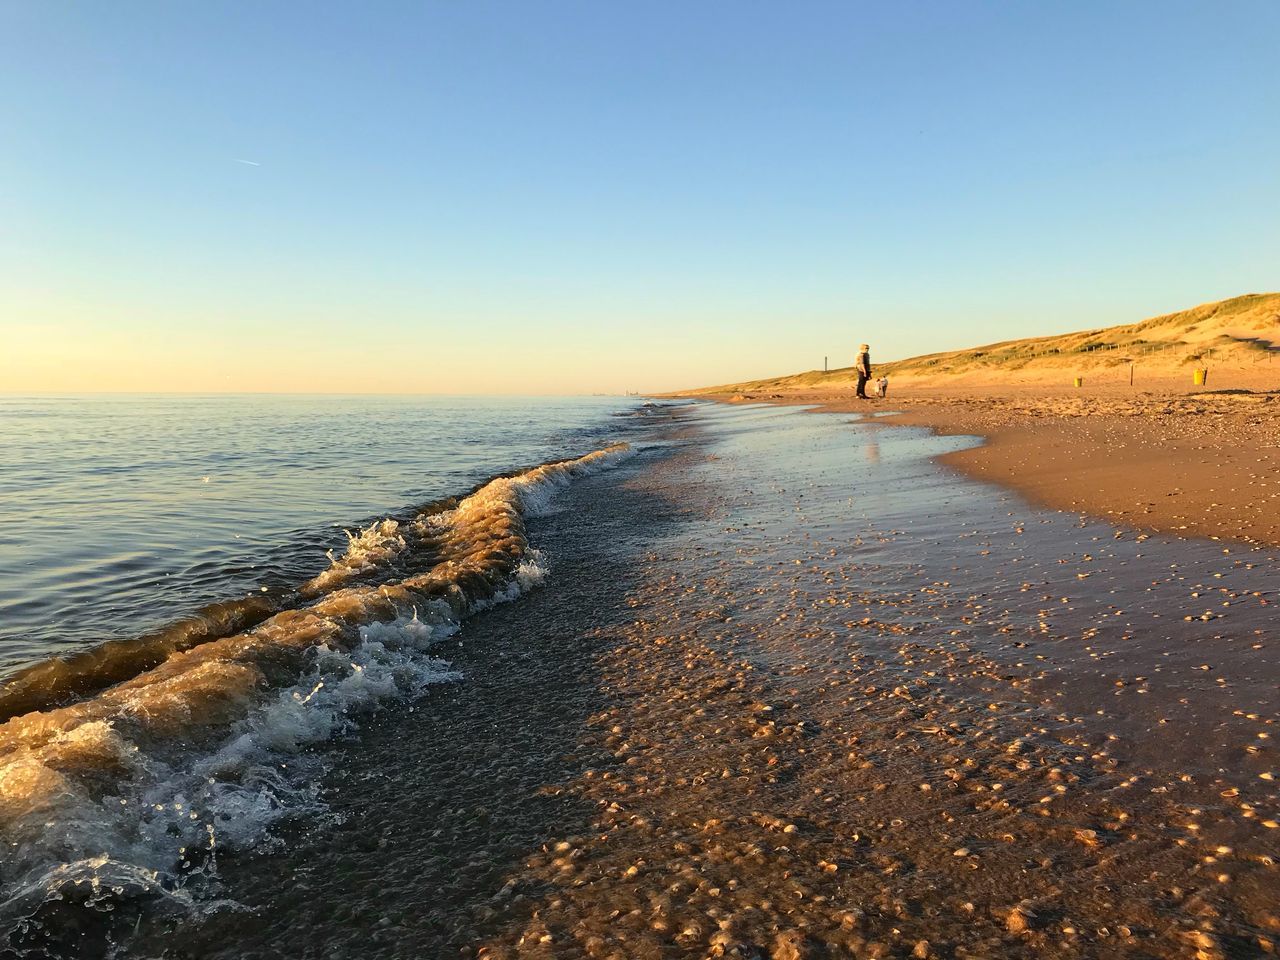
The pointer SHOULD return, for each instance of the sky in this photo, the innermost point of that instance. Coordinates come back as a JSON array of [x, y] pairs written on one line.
[[566, 197]]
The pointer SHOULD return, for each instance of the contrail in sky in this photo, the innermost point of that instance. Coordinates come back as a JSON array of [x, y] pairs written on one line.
[[252, 163]]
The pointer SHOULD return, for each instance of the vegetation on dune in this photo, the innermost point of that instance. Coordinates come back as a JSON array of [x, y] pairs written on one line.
[[1239, 331]]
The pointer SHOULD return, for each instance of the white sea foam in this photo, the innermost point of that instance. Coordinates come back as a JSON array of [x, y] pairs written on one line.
[[168, 811], [371, 548], [538, 487]]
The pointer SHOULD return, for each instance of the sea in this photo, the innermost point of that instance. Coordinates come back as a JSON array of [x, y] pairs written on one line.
[[120, 515], [193, 589]]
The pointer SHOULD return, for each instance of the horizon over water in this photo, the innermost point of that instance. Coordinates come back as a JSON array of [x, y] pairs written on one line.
[[123, 513]]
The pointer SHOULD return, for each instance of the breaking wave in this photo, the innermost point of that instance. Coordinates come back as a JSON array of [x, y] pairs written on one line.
[[145, 758], [372, 548]]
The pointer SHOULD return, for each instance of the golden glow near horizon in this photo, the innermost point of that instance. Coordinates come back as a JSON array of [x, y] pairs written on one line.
[[136, 352], [206, 354]]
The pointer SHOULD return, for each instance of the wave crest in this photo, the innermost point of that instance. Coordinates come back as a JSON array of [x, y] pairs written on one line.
[[146, 778]]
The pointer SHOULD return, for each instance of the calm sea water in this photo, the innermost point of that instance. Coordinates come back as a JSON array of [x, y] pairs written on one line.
[[119, 514]]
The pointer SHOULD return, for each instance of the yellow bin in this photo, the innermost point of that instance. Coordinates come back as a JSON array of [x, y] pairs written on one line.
[[1200, 377], [1079, 381]]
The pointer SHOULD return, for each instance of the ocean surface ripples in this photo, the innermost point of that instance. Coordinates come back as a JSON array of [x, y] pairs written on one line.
[[121, 514]]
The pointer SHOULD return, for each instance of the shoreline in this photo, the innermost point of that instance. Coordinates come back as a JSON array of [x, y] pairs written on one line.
[[771, 704], [1179, 463]]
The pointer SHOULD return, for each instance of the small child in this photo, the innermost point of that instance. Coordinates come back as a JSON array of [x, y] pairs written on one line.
[[882, 387]]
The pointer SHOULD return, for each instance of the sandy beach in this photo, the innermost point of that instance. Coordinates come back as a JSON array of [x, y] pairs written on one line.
[[794, 689], [1168, 459], [1169, 424]]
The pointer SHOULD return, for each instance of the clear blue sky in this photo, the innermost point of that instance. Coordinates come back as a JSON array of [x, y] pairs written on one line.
[[551, 196]]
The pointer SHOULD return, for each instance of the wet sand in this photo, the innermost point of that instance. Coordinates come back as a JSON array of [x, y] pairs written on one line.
[[795, 690], [1189, 464]]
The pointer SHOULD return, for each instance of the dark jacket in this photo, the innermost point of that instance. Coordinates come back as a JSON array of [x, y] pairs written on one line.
[[864, 364]]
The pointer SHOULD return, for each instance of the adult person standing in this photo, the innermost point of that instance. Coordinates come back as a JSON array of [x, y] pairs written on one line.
[[863, 368]]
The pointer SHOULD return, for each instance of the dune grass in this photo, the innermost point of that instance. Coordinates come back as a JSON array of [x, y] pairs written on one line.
[[1238, 331]]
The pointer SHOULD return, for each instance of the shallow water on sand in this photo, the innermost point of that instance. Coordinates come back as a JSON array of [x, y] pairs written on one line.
[[868, 709], [794, 690], [120, 514], [1151, 627]]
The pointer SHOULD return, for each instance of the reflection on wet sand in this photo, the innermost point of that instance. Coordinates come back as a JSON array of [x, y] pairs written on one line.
[[819, 715]]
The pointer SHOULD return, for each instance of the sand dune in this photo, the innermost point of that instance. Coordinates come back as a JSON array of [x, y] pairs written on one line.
[[1239, 337]]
